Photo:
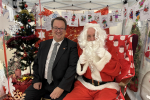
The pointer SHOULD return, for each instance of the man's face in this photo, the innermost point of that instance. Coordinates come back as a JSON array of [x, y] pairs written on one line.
[[90, 34], [58, 30]]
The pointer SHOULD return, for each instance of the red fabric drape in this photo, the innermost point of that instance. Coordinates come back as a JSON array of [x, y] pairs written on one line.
[[103, 11]]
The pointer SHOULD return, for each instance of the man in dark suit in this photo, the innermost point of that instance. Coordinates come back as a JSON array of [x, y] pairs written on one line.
[[63, 66]]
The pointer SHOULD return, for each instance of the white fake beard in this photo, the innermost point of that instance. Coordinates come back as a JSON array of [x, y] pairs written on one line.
[[90, 49]]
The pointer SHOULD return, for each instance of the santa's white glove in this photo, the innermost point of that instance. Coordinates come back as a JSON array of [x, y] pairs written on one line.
[[82, 58], [101, 52], [105, 58]]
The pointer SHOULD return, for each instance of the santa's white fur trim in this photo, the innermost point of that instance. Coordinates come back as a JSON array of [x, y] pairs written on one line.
[[79, 72], [103, 61], [96, 75], [111, 85]]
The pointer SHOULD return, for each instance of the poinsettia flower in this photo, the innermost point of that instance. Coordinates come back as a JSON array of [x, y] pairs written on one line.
[[46, 12]]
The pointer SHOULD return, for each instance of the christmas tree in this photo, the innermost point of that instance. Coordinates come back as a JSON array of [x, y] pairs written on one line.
[[133, 85], [13, 64], [25, 39]]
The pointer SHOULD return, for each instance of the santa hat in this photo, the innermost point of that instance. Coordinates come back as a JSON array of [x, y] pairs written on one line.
[[91, 24]]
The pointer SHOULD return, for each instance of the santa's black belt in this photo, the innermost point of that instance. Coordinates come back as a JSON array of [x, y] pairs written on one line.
[[95, 83]]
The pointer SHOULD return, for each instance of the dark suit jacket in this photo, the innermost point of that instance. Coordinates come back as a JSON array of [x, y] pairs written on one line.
[[64, 67]]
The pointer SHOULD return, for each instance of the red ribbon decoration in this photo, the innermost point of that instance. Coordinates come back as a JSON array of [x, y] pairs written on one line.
[[5, 56], [1, 6], [40, 15]]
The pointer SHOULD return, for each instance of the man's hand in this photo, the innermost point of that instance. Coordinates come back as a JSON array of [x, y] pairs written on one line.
[[37, 85], [56, 93]]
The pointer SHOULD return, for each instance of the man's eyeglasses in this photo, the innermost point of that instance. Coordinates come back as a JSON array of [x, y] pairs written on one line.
[[60, 29]]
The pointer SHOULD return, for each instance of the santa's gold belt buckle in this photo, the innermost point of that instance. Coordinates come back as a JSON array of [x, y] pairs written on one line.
[[98, 83]]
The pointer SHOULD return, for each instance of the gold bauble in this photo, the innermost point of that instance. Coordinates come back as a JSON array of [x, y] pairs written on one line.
[[24, 78], [5, 7]]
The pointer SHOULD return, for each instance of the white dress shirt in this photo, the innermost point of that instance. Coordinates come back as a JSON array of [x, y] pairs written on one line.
[[49, 56]]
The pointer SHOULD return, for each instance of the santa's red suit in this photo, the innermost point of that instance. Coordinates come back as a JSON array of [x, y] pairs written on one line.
[[105, 70]]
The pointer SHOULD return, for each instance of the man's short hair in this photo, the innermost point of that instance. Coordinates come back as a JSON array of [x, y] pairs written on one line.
[[59, 18]]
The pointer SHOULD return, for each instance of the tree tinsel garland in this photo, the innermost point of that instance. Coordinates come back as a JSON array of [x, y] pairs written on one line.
[[14, 42], [133, 85]]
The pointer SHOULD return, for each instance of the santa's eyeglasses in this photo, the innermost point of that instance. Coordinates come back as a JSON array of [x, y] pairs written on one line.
[[60, 29]]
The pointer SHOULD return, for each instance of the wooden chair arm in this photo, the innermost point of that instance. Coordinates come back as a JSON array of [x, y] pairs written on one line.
[[123, 83]]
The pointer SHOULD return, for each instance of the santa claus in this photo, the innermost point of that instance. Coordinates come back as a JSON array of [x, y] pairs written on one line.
[[97, 67]]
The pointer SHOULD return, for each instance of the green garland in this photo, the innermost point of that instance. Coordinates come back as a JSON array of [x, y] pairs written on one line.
[[137, 59]]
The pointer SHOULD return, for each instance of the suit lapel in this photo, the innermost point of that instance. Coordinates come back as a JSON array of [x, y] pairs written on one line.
[[60, 52]]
